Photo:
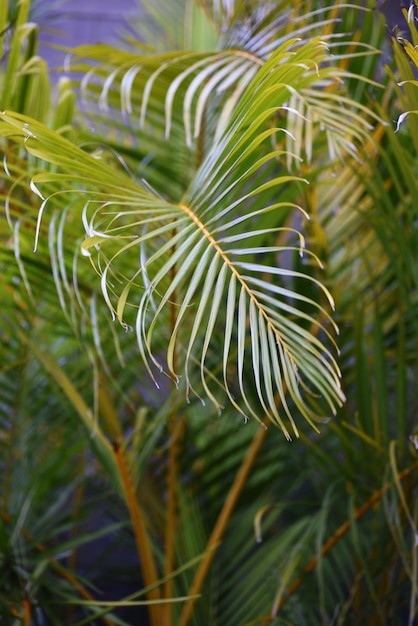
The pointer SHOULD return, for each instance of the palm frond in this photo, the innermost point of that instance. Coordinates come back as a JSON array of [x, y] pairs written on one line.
[[217, 265], [204, 82]]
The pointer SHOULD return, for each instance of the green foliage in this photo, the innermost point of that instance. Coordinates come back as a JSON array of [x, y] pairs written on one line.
[[231, 249]]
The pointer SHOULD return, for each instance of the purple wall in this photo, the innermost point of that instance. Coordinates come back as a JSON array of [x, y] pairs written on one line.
[[74, 22]]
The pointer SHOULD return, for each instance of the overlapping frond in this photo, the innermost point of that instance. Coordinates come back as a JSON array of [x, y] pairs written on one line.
[[196, 91], [205, 261]]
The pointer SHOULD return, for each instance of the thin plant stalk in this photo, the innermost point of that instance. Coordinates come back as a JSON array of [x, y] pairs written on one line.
[[148, 565], [222, 521], [26, 612], [175, 430]]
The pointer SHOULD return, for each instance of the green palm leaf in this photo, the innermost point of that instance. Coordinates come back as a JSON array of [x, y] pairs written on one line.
[[198, 90], [204, 259]]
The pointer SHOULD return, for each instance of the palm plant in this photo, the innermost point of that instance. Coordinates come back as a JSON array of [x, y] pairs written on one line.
[[228, 195]]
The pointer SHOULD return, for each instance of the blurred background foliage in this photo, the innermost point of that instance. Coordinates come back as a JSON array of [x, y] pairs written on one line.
[[125, 502]]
